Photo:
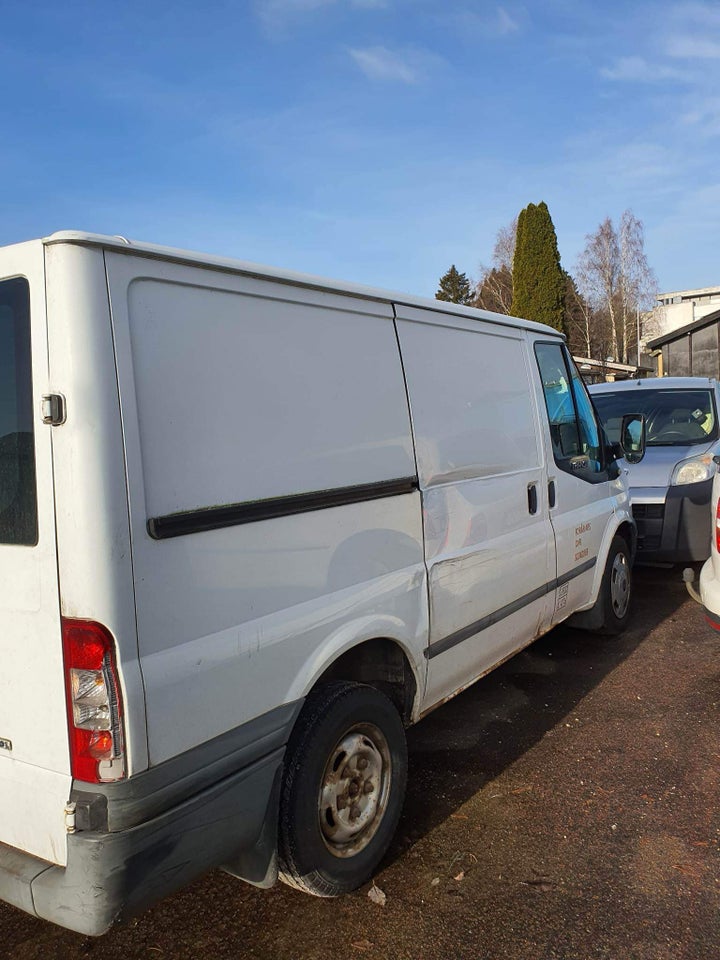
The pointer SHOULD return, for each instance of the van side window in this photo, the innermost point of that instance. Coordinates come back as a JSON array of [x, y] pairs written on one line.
[[574, 432], [18, 496]]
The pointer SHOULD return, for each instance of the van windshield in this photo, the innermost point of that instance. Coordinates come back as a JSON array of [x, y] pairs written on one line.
[[674, 418], [18, 498]]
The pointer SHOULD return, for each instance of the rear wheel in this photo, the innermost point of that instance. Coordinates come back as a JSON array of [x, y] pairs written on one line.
[[343, 789]]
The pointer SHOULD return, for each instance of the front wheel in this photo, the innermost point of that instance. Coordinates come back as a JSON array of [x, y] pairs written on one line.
[[344, 783], [616, 588]]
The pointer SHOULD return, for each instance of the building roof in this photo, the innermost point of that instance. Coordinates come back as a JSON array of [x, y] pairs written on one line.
[[681, 332], [610, 365], [688, 294]]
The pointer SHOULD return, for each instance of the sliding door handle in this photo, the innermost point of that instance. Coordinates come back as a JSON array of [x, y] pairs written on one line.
[[551, 493], [532, 498]]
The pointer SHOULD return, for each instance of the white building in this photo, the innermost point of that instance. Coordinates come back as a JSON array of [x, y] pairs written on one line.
[[681, 307]]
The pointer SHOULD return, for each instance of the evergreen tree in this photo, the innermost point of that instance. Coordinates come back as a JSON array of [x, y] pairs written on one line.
[[454, 287], [538, 280]]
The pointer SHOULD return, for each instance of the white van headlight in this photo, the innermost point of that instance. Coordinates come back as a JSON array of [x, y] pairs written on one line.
[[693, 470]]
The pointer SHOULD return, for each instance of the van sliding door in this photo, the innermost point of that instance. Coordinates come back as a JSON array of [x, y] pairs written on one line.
[[489, 547]]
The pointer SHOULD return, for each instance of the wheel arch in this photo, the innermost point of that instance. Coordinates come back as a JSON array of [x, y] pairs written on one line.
[[380, 660], [628, 531], [382, 663]]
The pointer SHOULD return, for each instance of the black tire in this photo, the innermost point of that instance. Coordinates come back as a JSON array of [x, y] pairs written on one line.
[[616, 589], [331, 840]]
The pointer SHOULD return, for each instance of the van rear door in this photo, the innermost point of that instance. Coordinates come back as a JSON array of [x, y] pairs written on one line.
[[34, 754]]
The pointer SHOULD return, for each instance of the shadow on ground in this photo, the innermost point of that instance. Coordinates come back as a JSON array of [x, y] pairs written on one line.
[[472, 739]]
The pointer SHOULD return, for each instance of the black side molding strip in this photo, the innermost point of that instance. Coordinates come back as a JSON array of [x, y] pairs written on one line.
[[234, 514], [447, 643], [576, 572]]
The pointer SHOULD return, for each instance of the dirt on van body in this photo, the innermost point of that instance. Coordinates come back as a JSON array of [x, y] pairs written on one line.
[[564, 807]]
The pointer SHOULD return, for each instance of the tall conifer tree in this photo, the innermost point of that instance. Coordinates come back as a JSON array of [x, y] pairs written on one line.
[[538, 279]]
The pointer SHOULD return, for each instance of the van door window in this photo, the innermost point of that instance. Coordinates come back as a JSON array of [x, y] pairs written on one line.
[[18, 496], [576, 439]]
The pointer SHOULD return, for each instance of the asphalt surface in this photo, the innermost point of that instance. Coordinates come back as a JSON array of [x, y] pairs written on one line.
[[564, 807]]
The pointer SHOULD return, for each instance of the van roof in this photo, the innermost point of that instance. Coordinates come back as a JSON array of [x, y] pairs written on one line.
[[123, 245]]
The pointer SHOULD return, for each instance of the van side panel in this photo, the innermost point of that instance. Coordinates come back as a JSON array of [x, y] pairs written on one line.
[[489, 550], [94, 555], [241, 395], [270, 398]]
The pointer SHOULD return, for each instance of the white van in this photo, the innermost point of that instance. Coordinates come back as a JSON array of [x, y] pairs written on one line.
[[253, 524]]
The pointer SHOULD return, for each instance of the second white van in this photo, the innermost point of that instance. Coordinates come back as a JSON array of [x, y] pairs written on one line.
[[252, 525]]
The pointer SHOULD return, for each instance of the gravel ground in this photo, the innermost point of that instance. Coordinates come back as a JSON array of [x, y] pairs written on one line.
[[564, 807]]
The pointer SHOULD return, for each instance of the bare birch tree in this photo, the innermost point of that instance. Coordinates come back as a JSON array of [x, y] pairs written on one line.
[[637, 284], [598, 277], [579, 319], [494, 290], [504, 249], [614, 276]]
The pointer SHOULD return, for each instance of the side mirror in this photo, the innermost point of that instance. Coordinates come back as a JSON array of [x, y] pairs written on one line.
[[632, 437]]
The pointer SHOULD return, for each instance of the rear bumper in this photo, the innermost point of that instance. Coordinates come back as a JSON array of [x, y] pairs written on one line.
[[112, 875], [674, 525], [141, 839]]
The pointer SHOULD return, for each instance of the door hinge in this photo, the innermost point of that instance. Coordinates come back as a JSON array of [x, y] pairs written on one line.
[[54, 409]]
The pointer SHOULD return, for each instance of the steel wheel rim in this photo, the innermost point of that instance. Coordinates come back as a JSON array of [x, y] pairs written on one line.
[[354, 790], [620, 585]]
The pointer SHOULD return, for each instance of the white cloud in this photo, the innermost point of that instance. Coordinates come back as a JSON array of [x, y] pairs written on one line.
[[705, 14], [497, 23], [693, 48], [276, 13], [273, 10], [638, 69], [379, 63], [639, 166], [705, 116], [505, 23]]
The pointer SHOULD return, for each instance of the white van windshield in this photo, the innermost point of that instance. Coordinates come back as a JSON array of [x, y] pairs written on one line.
[[18, 497], [673, 418]]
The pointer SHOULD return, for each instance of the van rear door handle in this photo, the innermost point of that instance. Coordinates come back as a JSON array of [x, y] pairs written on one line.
[[532, 498], [551, 493]]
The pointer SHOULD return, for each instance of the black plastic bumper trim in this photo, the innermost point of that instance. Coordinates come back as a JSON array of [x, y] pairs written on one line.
[[110, 876], [118, 806]]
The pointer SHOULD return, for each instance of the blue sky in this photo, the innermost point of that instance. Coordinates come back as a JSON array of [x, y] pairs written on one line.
[[376, 141]]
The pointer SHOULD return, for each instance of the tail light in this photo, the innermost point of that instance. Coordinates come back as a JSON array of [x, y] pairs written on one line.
[[717, 526], [93, 702]]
